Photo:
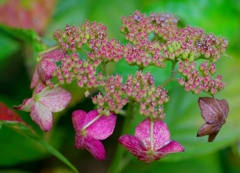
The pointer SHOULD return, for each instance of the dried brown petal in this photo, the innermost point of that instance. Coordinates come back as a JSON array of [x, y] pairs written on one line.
[[214, 113]]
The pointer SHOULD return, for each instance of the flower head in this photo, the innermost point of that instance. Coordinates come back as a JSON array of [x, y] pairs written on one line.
[[45, 101], [90, 128], [151, 141]]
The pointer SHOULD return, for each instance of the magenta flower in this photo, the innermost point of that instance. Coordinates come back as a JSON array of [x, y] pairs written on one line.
[[46, 66], [90, 128], [151, 141], [43, 102]]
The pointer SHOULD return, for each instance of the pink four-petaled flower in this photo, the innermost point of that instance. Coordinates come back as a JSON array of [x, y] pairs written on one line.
[[43, 102], [151, 141], [90, 128]]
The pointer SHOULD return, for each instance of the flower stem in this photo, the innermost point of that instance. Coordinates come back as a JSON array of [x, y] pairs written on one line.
[[172, 77], [151, 134], [118, 162], [104, 69], [46, 51], [91, 122]]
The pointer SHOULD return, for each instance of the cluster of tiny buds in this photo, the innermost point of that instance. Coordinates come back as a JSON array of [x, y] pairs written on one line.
[[84, 71], [157, 39], [197, 82], [107, 51], [145, 51], [138, 27], [142, 90], [139, 89], [74, 38], [154, 40], [114, 99], [94, 36]]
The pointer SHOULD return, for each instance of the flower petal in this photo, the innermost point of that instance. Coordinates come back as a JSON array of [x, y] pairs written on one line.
[[95, 147], [102, 127], [35, 79], [39, 88], [134, 145], [54, 55], [142, 131], [79, 141], [90, 116], [161, 134], [42, 116], [26, 105], [171, 147], [78, 118], [55, 99], [45, 68], [137, 148]]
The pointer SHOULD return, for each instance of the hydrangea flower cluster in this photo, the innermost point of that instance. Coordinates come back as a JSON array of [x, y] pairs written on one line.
[[83, 53]]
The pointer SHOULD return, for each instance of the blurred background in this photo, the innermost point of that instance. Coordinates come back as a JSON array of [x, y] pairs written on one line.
[[18, 49]]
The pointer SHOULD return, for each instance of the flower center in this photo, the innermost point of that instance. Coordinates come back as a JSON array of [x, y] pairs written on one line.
[[83, 132]]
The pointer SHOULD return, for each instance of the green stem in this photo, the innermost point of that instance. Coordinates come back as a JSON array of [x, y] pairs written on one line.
[[46, 51], [104, 69], [118, 162], [140, 68], [172, 77]]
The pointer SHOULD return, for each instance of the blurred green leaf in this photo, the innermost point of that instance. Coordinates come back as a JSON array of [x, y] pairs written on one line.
[[124, 69], [29, 36], [16, 149], [207, 164], [8, 46], [214, 16], [25, 131], [162, 74], [75, 12]]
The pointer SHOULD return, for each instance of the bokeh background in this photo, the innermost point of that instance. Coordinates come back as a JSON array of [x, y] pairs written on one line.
[[18, 49]]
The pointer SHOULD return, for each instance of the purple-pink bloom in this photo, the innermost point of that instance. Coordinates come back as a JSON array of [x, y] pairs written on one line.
[[151, 141], [43, 102], [90, 128], [46, 66]]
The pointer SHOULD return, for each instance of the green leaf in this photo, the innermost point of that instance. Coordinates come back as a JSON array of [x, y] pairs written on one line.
[[219, 17], [8, 46], [124, 69], [29, 36], [75, 12], [209, 164], [162, 74], [16, 149], [25, 131]]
